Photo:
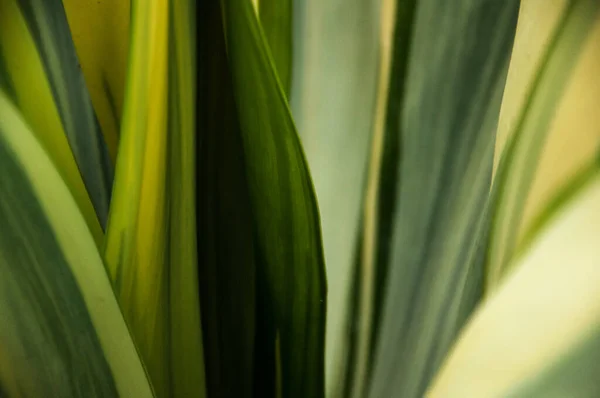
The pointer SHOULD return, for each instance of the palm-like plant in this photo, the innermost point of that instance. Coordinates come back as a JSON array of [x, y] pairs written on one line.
[[160, 233]]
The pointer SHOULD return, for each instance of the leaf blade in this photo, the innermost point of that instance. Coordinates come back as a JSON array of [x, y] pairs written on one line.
[[536, 350], [518, 164], [276, 18], [333, 95], [48, 25], [136, 245], [81, 324], [457, 67], [283, 204], [236, 364], [25, 72]]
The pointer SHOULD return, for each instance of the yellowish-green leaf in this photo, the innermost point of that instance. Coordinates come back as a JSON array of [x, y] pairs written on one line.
[[538, 334], [48, 25], [518, 164], [562, 195], [32, 94], [100, 31], [62, 333], [151, 237], [573, 137], [186, 345]]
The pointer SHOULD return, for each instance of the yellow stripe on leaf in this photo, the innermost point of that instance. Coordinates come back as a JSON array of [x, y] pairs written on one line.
[[151, 237]]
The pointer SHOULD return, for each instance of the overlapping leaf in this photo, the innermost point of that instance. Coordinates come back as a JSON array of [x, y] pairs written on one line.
[[372, 261], [288, 242], [519, 160], [332, 98], [538, 334], [48, 25], [151, 237], [227, 264], [457, 67], [62, 333], [24, 72]]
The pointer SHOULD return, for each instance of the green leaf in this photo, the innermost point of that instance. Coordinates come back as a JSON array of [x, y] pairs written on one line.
[[150, 247], [334, 86], [227, 269], [276, 21], [459, 56], [62, 333], [520, 157], [48, 25], [288, 242], [538, 334], [372, 264]]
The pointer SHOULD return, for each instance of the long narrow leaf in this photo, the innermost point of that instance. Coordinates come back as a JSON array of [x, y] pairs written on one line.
[[136, 249], [186, 349], [336, 56], [457, 69], [381, 194], [151, 238], [227, 264], [62, 333], [285, 212], [519, 160]]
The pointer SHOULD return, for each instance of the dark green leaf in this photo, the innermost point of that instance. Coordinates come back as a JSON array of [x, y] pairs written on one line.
[[225, 231], [276, 21], [288, 239]]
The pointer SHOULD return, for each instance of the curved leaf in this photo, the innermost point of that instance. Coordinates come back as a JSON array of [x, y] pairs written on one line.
[[336, 56], [538, 335], [520, 157], [276, 21], [288, 239], [33, 96], [237, 364], [62, 332], [459, 56], [48, 25]]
